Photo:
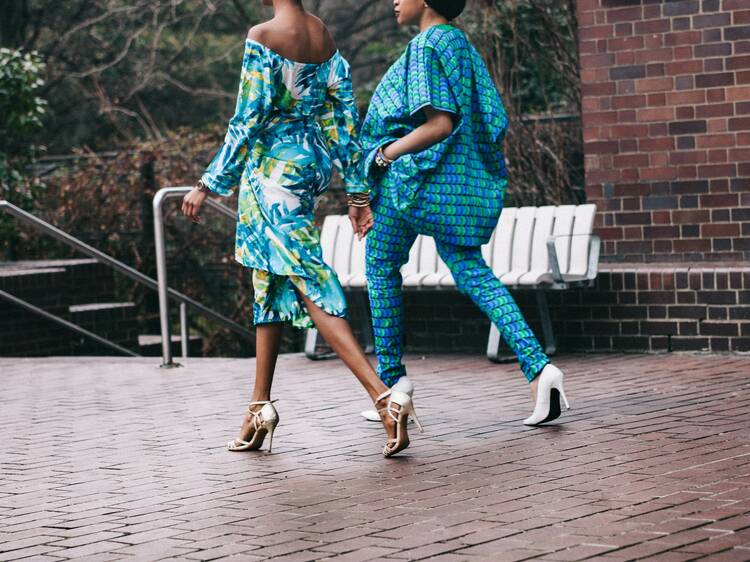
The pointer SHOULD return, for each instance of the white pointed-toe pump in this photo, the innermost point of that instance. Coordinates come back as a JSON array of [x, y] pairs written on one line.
[[550, 393], [264, 422]]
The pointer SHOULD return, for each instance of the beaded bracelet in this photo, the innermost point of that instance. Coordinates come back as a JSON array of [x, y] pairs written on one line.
[[381, 159]]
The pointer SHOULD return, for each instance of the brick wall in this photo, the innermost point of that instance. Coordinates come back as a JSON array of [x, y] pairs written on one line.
[[639, 308], [666, 117]]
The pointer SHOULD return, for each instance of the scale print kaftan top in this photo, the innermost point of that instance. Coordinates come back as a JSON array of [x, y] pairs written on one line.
[[454, 188], [293, 122]]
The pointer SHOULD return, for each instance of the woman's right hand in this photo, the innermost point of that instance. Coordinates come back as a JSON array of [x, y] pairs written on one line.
[[191, 204], [362, 220]]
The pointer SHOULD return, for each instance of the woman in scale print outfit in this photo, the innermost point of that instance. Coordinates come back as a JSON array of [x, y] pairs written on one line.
[[433, 143], [295, 118]]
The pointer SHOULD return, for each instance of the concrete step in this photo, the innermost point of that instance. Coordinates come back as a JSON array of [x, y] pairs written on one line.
[[75, 280], [150, 345], [115, 321]]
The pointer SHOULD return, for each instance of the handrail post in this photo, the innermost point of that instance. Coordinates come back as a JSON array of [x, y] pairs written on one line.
[[161, 278], [184, 330]]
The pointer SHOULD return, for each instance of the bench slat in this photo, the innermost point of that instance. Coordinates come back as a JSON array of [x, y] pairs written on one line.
[[539, 270], [343, 251], [521, 254], [579, 244], [328, 237], [564, 217], [501, 250]]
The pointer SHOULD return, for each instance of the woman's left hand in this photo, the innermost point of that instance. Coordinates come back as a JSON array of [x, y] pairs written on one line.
[[191, 204]]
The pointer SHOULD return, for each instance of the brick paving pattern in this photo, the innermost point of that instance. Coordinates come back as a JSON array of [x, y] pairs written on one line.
[[114, 459]]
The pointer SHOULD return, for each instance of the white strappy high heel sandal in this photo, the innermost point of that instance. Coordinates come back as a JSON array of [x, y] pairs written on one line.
[[264, 423], [403, 384], [549, 393], [400, 415]]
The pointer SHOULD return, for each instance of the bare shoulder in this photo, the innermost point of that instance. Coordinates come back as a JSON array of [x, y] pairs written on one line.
[[259, 33], [305, 39], [327, 39]]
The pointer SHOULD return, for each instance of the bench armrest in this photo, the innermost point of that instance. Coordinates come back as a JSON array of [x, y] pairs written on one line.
[[593, 265], [595, 245]]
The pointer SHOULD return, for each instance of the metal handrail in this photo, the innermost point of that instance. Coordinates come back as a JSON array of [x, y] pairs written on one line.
[[128, 271], [75, 327], [161, 266]]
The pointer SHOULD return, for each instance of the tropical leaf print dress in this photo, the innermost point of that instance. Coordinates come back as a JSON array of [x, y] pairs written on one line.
[[293, 123]]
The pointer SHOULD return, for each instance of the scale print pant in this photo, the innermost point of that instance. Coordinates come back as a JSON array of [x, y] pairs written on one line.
[[388, 245]]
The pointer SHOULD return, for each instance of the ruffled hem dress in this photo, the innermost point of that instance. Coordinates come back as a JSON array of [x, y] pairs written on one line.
[[292, 124]]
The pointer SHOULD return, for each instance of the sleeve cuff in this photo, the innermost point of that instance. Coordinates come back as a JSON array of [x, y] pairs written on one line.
[[216, 186]]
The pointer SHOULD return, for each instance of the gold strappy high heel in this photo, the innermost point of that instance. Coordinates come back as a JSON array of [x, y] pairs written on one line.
[[264, 423], [400, 416]]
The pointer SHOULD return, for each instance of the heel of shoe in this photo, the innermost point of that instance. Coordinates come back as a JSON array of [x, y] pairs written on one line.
[[550, 397], [407, 405], [413, 413], [564, 398], [271, 429]]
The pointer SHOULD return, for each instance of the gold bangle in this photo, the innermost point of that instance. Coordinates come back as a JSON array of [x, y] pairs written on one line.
[[358, 200], [385, 158]]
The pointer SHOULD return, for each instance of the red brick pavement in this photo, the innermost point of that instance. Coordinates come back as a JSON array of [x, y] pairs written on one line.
[[114, 459]]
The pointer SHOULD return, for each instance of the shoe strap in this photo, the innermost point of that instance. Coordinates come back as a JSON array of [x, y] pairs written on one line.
[[257, 418], [386, 394], [392, 412]]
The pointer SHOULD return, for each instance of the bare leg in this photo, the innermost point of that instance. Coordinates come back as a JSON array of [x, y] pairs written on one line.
[[267, 343], [338, 334]]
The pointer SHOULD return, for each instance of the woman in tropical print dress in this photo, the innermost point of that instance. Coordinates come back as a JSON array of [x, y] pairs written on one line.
[[295, 119], [433, 142]]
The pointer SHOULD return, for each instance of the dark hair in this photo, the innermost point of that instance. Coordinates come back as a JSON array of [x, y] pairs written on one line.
[[449, 9]]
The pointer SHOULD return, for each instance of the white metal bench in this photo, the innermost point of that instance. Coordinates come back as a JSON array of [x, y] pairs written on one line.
[[551, 247]]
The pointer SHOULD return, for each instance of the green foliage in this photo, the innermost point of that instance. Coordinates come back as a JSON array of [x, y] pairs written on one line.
[[21, 112], [21, 107]]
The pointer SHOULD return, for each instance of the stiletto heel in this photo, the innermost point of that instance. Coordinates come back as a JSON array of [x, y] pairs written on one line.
[[564, 398], [401, 417], [413, 413], [264, 422], [549, 393]]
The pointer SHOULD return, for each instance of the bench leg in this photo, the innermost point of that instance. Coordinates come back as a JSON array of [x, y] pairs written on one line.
[[550, 345], [360, 301], [311, 344], [368, 341], [493, 344]]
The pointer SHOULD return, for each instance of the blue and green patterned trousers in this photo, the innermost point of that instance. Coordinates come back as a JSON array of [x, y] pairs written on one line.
[[388, 245]]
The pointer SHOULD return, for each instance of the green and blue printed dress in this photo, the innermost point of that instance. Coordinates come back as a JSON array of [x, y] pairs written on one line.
[[452, 191], [293, 122]]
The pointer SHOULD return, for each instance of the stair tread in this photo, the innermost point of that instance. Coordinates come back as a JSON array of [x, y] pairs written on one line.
[[23, 265], [12, 272], [99, 306], [147, 339]]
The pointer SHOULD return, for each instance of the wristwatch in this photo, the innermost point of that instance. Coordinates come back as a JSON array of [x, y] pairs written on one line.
[[202, 187]]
